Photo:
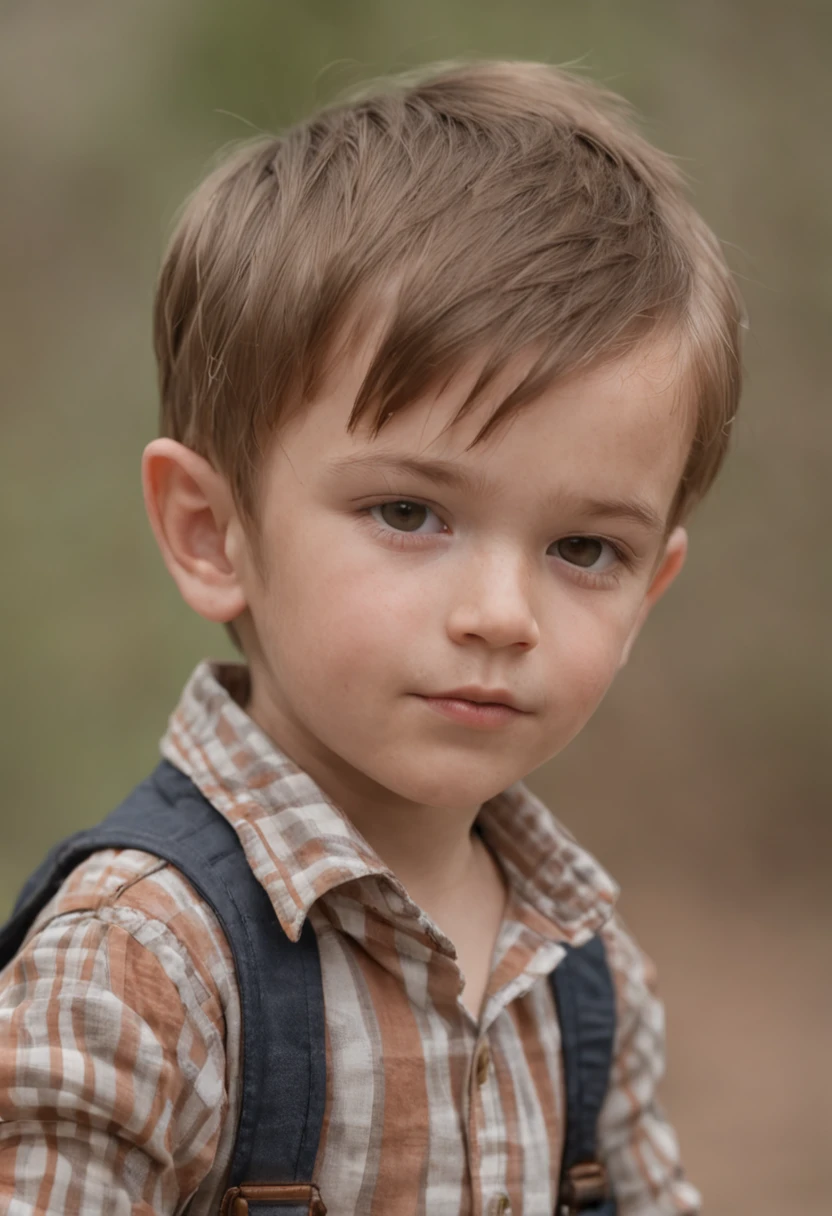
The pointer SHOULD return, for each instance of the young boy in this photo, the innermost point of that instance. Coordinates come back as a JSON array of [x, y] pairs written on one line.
[[443, 371]]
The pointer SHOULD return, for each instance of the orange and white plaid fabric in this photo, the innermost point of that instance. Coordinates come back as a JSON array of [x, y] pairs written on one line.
[[120, 1019]]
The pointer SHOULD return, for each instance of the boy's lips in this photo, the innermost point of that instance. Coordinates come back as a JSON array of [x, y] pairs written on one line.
[[486, 715], [480, 696]]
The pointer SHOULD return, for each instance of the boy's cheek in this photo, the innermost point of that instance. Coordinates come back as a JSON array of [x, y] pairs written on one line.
[[586, 670]]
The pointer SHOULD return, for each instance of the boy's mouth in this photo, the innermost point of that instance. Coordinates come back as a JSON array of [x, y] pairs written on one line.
[[467, 712], [480, 696]]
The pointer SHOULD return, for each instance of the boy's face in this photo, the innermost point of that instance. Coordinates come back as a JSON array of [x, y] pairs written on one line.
[[380, 588]]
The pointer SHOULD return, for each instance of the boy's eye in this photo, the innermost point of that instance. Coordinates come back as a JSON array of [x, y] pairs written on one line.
[[403, 515], [588, 552]]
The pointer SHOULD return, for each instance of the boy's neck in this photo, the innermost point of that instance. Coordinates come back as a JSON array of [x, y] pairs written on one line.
[[432, 852], [452, 876]]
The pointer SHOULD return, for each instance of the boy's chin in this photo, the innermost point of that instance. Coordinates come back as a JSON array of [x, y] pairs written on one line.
[[444, 783]]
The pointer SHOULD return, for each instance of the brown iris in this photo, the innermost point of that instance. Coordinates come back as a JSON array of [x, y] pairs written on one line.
[[580, 550], [404, 514]]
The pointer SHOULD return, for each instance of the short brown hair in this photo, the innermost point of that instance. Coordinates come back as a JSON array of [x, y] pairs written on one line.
[[511, 206]]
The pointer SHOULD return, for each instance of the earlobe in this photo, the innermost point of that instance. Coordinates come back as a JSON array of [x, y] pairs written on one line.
[[191, 511], [673, 559]]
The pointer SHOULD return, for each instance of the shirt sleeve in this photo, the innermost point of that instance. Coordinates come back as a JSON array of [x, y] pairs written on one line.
[[112, 1074], [636, 1141]]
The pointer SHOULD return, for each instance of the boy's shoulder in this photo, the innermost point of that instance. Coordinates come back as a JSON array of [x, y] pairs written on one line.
[[639, 1028], [120, 895], [124, 979], [633, 971]]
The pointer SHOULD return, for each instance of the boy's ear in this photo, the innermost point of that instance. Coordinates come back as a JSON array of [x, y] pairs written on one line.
[[192, 514], [673, 558]]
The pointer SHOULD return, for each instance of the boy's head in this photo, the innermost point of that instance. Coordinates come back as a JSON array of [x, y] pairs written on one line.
[[487, 266]]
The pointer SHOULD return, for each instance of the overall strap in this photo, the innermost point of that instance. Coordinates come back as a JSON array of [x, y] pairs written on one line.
[[281, 996], [585, 999]]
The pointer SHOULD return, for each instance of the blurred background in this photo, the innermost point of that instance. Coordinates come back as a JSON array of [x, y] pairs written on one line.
[[703, 781]]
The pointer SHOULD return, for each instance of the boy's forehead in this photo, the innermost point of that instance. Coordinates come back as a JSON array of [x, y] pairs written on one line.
[[618, 426]]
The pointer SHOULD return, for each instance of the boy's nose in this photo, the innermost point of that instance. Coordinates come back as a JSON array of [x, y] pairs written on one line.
[[496, 607]]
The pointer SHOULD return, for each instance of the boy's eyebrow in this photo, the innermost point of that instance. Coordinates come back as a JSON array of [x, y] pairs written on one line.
[[446, 473]]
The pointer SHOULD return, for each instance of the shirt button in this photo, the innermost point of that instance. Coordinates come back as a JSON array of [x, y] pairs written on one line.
[[500, 1205], [483, 1061]]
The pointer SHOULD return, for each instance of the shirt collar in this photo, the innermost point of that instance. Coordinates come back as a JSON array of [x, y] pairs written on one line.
[[300, 845]]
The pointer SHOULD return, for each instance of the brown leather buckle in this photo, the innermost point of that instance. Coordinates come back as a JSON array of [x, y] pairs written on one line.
[[583, 1185], [236, 1200]]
